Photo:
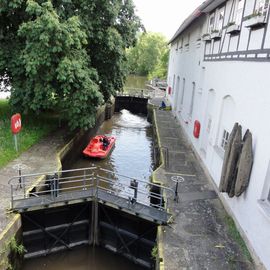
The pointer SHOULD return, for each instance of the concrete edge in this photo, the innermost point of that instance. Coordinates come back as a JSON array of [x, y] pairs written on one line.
[[3, 234], [11, 229], [258, 263], [160, 244]]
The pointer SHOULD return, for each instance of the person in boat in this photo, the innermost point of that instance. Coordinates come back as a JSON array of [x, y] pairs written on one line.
[[105, 142]]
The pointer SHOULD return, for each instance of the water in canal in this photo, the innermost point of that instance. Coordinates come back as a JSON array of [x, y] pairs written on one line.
[[136, 81], [132, 156]]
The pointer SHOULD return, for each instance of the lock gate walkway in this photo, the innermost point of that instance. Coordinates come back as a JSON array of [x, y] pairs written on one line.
[[136, 197]]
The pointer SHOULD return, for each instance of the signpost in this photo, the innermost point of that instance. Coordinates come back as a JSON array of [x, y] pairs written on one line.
[[16, 125]]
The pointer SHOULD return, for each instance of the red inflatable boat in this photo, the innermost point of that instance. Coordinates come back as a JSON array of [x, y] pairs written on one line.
[[99, 146]]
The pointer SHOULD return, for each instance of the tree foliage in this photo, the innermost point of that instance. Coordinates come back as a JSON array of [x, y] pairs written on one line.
[[65, 54], [150, 56]]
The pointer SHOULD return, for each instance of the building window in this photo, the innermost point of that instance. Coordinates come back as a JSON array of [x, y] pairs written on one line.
[[192, 100], [211, 24], [187, 42], [225, 138], [262, 7], [183, 92], [180, 47], [238, 12], [220, 19]]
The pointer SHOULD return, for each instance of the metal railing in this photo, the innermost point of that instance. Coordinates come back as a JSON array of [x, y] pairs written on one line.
[[137, 92], [53, 185]]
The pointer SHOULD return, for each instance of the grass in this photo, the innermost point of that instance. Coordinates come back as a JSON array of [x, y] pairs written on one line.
[[234, 233], [33, 129]]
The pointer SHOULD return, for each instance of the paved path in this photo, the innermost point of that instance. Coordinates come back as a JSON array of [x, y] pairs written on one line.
[[39, 158], [198, 237]]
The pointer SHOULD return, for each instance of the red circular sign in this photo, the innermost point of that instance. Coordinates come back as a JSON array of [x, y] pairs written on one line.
[[16, 123]]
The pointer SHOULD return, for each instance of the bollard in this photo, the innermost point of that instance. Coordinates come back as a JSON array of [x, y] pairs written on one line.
[[176, 198], [134, 185], [20, 174], [177, 179]]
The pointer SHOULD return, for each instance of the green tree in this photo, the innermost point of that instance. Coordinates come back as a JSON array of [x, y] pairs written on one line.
[[161, 69], [150, 55], [65, 54]]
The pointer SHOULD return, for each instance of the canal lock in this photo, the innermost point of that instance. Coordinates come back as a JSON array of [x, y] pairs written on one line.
[[91, 223]]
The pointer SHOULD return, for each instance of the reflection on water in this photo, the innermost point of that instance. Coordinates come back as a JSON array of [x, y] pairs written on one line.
[[132, 156], [135, 82]]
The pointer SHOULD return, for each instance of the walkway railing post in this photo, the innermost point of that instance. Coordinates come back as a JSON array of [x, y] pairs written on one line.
[[84, 183], [20, 174], [134, 185], [11, 194], [24, 188]]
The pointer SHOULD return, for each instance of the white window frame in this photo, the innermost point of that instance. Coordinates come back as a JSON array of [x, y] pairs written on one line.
[[262, 7], [211, 23], [224, 139], [220, 18], [238, 12]]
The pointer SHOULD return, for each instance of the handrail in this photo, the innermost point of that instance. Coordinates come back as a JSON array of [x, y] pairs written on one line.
[[141, 181], [57, 183], [52, 173]]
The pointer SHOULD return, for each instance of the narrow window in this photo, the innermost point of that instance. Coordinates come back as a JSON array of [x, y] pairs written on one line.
[[239, 12], [181, 43], [225, 138], [183, 92], [188, 39], [211, 23], [192, 100], [262, 7], [220, 18]]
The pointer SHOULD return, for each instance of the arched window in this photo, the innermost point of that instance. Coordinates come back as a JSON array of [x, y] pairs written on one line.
[[192, 100], [183, 92], [176, 94], [227, 121], [208, 116]]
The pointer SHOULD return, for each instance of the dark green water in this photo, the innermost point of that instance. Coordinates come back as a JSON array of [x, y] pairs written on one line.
[[135, 82]]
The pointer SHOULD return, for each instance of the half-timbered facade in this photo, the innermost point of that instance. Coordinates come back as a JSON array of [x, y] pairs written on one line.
[[219, 74]]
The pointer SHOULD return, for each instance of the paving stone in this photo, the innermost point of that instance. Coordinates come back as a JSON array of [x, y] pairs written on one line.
[[39, 158], [198, 237]]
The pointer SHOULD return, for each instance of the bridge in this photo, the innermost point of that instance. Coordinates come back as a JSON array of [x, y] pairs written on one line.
[[134, 196], [89, 206], [136, 99]]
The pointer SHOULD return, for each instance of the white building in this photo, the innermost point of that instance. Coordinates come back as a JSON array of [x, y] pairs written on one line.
[[219, 74]]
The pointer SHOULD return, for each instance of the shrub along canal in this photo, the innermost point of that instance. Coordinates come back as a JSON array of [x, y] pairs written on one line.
[[133, 157]]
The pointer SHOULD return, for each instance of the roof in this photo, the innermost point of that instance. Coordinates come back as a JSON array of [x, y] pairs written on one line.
[[205, 7]]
